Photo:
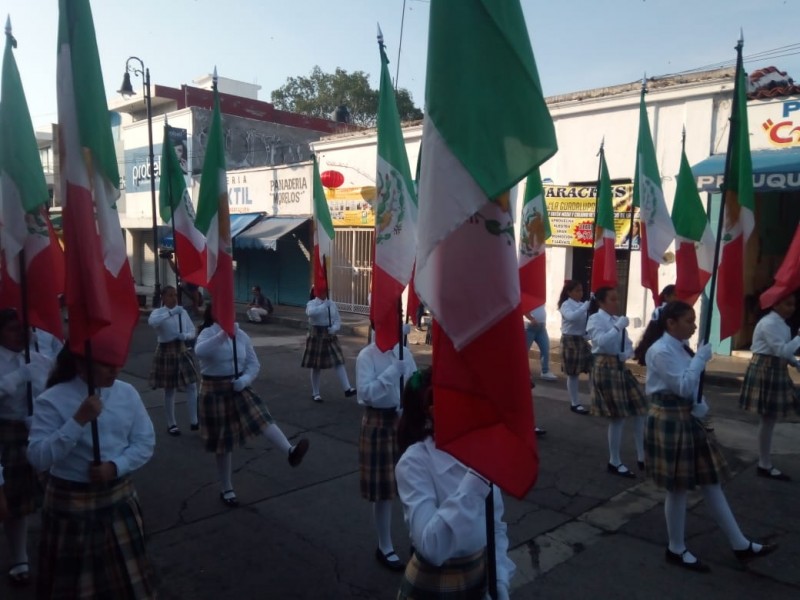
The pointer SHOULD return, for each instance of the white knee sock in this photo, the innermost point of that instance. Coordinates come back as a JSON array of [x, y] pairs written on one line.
[[225, 470], [315, 381], [191, 402], [721, 511], [675, 515], [169, 406], [341, 373], [572, 389], [638, 436], [276, 437], [765, 442], [615, 440], [17, 535], [382, 511]]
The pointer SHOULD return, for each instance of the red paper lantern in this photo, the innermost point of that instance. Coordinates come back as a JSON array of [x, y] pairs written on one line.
[[331, 179]]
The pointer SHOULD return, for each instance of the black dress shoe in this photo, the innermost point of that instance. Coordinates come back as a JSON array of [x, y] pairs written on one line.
[[385, 560], [579, 409], [640, 464], [539, 431], [618, 470], [350, 392], [749, 554], [772, 473], [678, 559], [194, 426]]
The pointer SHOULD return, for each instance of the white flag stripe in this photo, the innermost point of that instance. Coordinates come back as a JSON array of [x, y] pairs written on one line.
[[397, 252]]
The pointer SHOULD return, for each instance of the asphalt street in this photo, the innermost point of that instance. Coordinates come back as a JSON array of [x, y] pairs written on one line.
[[306, 532]]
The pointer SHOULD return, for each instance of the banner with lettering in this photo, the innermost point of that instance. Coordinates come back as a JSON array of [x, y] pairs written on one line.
[[571, 212]]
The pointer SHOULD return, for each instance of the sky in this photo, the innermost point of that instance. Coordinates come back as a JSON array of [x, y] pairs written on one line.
[[578, 44]]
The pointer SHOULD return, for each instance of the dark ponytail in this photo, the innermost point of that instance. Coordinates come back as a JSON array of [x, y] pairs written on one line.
[[669, 290], [598, 297], [656, 328], [414, 424], [569, 285]]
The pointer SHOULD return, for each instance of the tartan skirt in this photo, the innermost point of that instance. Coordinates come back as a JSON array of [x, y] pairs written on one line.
[[377, 454], [22, 488], [680, 453], [173, 367], [615, 391], [576, 355], [322, 349], [93, 542], [767, 389], [458, 578], [227, 417]]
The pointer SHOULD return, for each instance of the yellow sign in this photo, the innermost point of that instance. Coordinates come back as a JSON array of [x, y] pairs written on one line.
[[352, 207], [571, 209]]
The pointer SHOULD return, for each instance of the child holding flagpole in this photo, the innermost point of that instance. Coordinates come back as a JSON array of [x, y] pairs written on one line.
[[576, 354], [615, 392]]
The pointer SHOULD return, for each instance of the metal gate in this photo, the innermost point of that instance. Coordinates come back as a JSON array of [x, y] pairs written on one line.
[[351, 272]]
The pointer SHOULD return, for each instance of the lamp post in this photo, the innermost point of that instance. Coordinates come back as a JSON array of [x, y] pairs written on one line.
[[127, 91]]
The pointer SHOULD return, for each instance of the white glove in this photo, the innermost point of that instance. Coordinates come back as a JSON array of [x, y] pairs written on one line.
[[585, 305], [183, 337], [238, 384], [622, 323], [704, 353], [700, 409], [400, 365], [24, 373], [622, 356], [332, 330]]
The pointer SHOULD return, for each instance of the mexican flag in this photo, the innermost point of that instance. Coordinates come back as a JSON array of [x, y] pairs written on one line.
[[32, 263], [738, 210], [395, 217], [534, 230], [214, 222], [656, 229], [787, 278], [694, 253], [174, 201], [467, 270], [323, 236], [604, 259], [99, 286]]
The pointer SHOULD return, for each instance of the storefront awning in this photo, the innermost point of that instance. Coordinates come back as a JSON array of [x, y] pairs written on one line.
[[239, 224], [265, 234], [773, 171]]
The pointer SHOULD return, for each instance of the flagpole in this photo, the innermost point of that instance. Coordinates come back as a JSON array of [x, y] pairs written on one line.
[[90, 385], [26, 326], [491, 551], [600, 153], [732, 133]]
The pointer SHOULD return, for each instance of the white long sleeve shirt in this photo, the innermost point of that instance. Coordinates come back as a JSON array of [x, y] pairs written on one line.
[[573, 317], [59, 444], [214, 349], [772, 336], [14, 388], [444, 508], [538, 314], [317, 311], [670, 368], [169, 323], [606, 338], [45, 343], [378, 377]]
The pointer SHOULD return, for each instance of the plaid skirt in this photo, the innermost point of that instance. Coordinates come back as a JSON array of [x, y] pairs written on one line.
[[22, 488], [228, 418], [377, 454], [767, 388], [458, 578], [615, 391], [92, 542], [173, 367], [680, 453], [322, 349], [576, 355]]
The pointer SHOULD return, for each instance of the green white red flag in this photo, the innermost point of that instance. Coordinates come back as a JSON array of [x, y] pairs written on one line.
[[25, 229], [467, 273], [100, 295], [175, 202], [738, 209], [323, 236], [395, 217], [694, 241], [214, 222], [656, 229], [604, 258], [787, 278], [534, 231]]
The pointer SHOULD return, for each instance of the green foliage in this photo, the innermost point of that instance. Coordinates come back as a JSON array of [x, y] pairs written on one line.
[[319, 94]]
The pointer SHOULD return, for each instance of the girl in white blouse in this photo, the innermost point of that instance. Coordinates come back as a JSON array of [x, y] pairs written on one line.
[[444, 504], [767, 388], [615, 392], [576, 354]]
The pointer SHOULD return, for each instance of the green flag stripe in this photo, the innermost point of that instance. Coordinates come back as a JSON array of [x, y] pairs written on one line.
[[740, 177], [214, 161], [321, 211], [688, 215], [172, 184], [645, 155], [605, 205], [534, 188]]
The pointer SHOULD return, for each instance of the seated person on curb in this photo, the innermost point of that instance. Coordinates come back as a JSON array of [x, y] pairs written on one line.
[[260, 307]]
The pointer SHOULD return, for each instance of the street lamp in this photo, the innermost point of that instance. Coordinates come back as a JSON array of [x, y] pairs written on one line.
[[127, 91]]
